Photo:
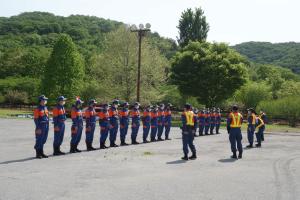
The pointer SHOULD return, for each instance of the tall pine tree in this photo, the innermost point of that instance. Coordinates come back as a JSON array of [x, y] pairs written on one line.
[[192, 27]]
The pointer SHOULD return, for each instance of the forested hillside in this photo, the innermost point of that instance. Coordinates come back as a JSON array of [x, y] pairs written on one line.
[[26, 42], [280, 54]]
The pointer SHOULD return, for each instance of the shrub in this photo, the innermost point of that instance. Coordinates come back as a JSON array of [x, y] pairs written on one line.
[[285, 108]]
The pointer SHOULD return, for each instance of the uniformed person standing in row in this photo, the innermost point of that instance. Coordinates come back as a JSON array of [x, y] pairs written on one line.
[[260, 125], [90, 119], [104, 125], [196, 120], [160, 121], [212, 121], [154, 116], [114, 123], [251, 126], [234, 124], [188, 129], [207, 121], [146, 120], [218, 120], [77, 125], [59, 118], [124, 122], [263, 116], [135, 122], [168, 121], [201, 119], [41, 120]]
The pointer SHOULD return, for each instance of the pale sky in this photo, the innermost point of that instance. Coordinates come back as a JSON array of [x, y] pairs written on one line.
[[231, 21]]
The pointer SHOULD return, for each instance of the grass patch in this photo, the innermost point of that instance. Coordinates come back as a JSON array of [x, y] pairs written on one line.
[[12, 113]]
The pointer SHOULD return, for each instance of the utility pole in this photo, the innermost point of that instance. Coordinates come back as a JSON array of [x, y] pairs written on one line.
[[141, 32]]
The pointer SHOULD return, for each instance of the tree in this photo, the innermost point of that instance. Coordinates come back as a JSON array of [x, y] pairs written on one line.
[[116, 67], [251, 94], [210, 72], [64, 71], [192, 27]]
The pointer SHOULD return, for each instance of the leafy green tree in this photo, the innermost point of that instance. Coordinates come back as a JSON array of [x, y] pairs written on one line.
[[64, 72], [210, 72], [289, 88], [192, 26], [251, 94], [116, 67]]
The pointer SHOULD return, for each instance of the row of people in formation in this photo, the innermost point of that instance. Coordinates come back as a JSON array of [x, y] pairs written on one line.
[[156, 120], [207, 120]]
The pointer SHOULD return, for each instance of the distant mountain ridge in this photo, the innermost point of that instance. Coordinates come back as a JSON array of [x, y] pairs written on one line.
[[281, 54]]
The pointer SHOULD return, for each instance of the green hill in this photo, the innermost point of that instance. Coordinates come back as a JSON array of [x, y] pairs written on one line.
[[26, 40], [281, 54]]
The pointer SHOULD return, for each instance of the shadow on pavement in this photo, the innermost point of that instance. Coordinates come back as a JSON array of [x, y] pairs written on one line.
[[227, 160], [176, 162], [16, 161]]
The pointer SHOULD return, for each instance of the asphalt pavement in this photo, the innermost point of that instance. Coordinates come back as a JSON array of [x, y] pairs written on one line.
[[147, 171]]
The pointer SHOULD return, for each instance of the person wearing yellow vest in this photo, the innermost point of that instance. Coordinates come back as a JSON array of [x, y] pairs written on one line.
[[234, 123], [261, 127], [251, 126], [188, 131]]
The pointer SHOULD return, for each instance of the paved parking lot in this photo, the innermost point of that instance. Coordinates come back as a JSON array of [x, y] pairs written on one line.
[[148, 171]]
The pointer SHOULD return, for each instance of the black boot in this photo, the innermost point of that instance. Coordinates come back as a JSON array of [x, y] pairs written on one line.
[[145, 141], [102, 145], [258, 145], [72, 148], [167, 138], [38, 154], [234, 155], [134, 142], [113, 145], [55, 151], [123, 143], [89, 147], [249, 146], [193, 157], [76, 149], [185, 157], [43, 155], [60, 152], [240, 155], [152, 140], [160, 139]]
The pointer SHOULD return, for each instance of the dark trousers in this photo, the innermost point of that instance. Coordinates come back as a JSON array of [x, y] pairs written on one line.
[[113, 131], [41, 135], [235, 138], [167, 129], [146, 129], [123, 131], [59, 131], [188, 140], [89, 132], [76, 130], [217, 128], [212, 127], [250, 133], [103, 133], [259, 134], [153, 132]]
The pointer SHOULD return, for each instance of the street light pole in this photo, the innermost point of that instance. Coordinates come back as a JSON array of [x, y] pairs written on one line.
[[141, 32]]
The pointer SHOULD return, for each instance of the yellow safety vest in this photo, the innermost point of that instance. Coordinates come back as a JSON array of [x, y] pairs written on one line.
[[236, 120], [189, 118]]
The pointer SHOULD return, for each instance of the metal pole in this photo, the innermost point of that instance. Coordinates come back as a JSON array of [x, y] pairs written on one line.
[[140, 33]]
